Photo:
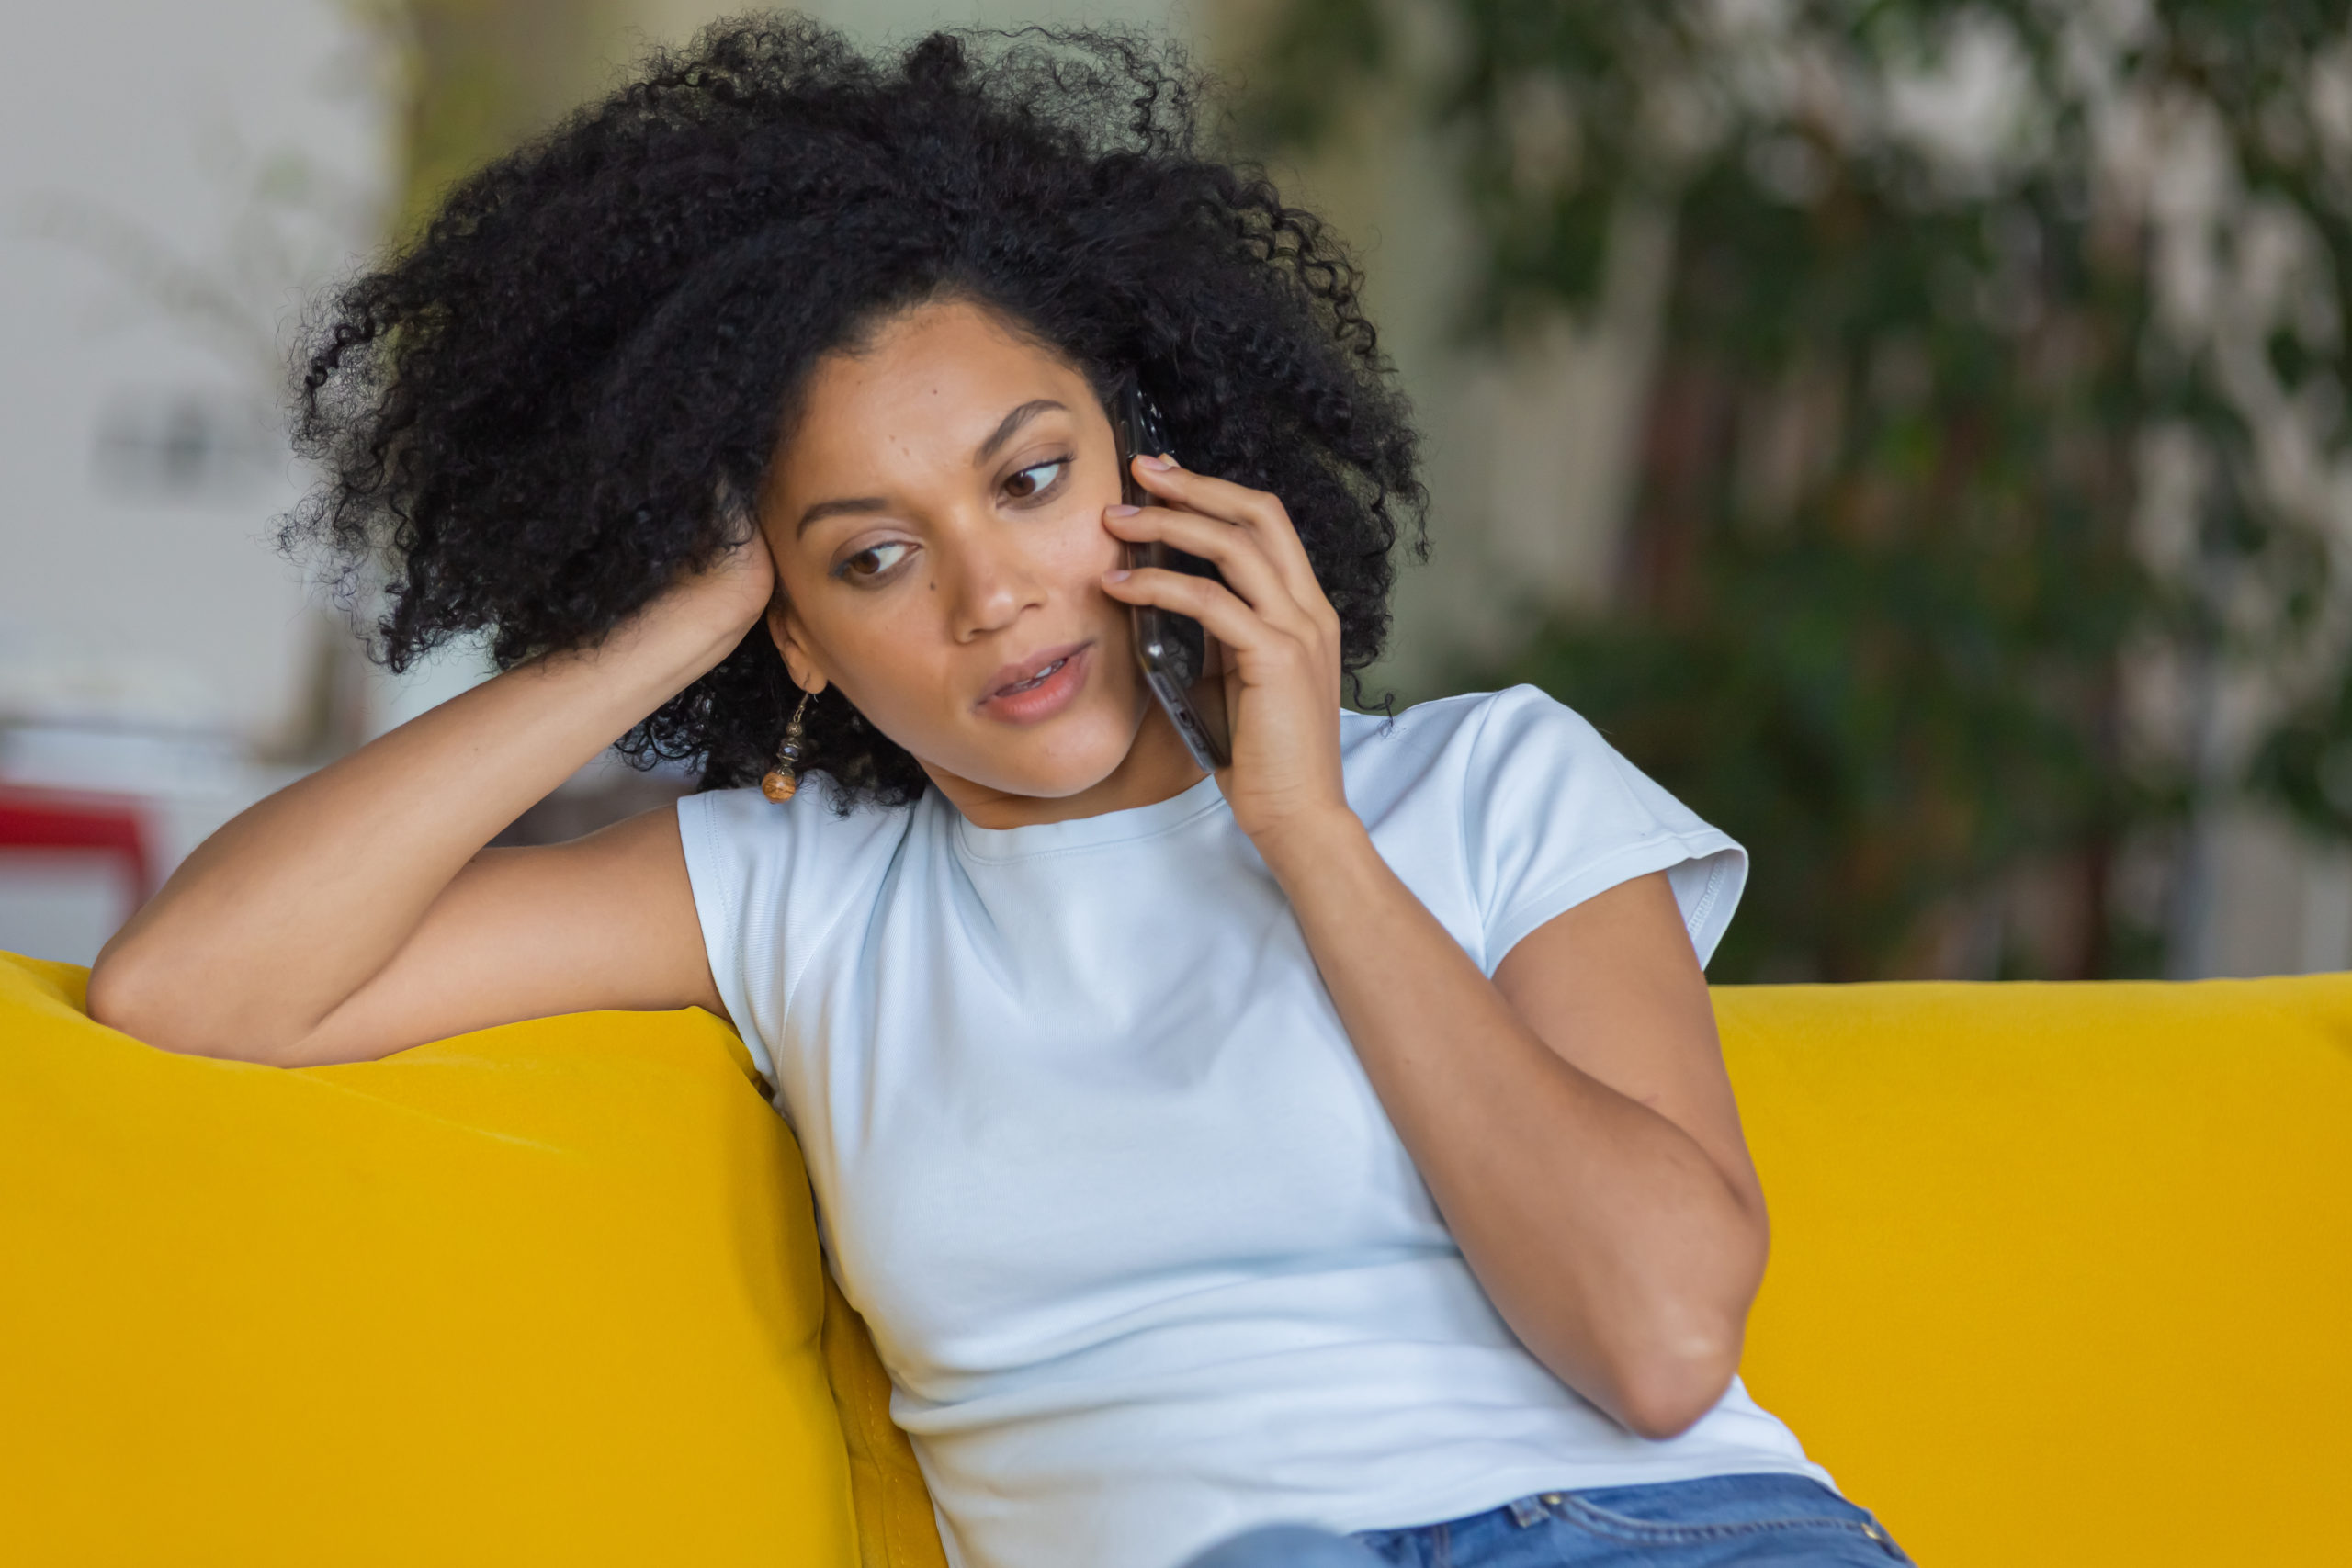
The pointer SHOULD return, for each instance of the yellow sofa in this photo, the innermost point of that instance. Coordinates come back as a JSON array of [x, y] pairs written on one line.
[[2062, 1274]]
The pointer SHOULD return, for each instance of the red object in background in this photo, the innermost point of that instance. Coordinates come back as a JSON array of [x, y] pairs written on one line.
[[57, 819]]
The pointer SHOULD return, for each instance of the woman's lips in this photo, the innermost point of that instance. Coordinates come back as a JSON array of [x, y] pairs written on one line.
[[1045, 694]]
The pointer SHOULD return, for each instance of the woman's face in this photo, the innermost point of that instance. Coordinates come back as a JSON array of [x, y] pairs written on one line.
[[936, 520]]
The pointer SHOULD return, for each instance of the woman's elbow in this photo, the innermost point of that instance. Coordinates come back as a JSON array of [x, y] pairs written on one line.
[[120, 992], [131, 991], [1663, 1393], [1677, 1353]]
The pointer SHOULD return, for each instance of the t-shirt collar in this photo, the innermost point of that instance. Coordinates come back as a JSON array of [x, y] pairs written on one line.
[[997, 845]]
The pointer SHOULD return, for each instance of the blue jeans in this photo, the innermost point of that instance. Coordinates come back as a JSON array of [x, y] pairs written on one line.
[[1718, 1522]]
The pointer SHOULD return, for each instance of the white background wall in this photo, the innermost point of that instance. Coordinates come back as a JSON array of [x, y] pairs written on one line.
[[231, 154], [174, 179]]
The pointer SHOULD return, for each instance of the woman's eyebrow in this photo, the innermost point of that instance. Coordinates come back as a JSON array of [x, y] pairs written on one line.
[[825, 509], [1012, 422], [1004, 433]]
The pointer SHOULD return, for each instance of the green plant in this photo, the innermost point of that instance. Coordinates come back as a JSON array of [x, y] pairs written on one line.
[[1988, 439]]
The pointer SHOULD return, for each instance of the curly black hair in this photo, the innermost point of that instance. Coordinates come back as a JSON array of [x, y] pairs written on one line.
[[531, 418]]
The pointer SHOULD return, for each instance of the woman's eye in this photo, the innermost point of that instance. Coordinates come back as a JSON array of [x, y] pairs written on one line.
[[1036, 480], [873, 563]]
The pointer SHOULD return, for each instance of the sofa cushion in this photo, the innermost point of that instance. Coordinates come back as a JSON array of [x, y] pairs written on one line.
[[895, 1524], [546, 1294]]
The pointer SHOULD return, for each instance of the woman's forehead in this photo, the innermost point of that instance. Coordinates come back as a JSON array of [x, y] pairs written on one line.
[[932, 384]]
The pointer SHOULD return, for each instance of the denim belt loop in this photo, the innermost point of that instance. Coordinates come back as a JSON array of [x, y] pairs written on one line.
[[1526, 1511]]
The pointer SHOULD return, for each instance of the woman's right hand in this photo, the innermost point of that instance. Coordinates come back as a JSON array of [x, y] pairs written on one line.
[[723, 600]]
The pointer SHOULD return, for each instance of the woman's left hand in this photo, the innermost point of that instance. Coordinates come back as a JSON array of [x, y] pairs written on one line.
[[1281, 641]]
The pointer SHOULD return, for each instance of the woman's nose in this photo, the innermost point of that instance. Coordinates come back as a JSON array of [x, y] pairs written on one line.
[[990, 582]]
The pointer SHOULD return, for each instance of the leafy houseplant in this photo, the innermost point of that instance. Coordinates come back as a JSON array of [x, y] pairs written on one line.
[[1982, 508]]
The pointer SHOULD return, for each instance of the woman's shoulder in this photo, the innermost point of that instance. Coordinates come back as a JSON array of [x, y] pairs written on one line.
[[819, 807], [1537, 810], [1468, 731], [1519, 757], [820, 831]]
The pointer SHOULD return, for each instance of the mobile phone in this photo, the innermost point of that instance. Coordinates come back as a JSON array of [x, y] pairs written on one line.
[[1182, 663]]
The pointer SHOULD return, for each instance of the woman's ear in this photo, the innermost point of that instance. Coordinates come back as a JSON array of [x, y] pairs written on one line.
[[784, 630]]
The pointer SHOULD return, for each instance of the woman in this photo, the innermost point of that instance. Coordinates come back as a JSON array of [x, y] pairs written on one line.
[[1340, 1139]]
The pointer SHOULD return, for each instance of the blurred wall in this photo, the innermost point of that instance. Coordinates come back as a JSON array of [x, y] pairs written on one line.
[[176, 177]]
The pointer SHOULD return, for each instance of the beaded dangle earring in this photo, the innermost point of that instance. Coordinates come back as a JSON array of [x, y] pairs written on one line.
[[783, 779]]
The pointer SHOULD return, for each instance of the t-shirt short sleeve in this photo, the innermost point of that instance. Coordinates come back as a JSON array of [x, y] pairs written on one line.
[[736, 864], [1553, 815], [770, 881]]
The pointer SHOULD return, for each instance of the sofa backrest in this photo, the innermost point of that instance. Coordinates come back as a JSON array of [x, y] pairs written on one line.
[[547, 1293], [2061, 1273]]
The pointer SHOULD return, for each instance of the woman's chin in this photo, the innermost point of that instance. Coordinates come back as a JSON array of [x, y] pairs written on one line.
[[1055, 779], [1053, 762]]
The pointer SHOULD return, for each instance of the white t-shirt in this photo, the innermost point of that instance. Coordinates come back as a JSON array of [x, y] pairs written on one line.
[[1145, 1257]]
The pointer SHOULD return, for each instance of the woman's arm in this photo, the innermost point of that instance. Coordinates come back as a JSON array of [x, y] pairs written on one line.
[[356, 911], [1571, 1116]]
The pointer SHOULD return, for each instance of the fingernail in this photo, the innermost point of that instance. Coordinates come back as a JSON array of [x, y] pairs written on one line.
[[1162, 462], [1117, 574], [1122, 510]]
